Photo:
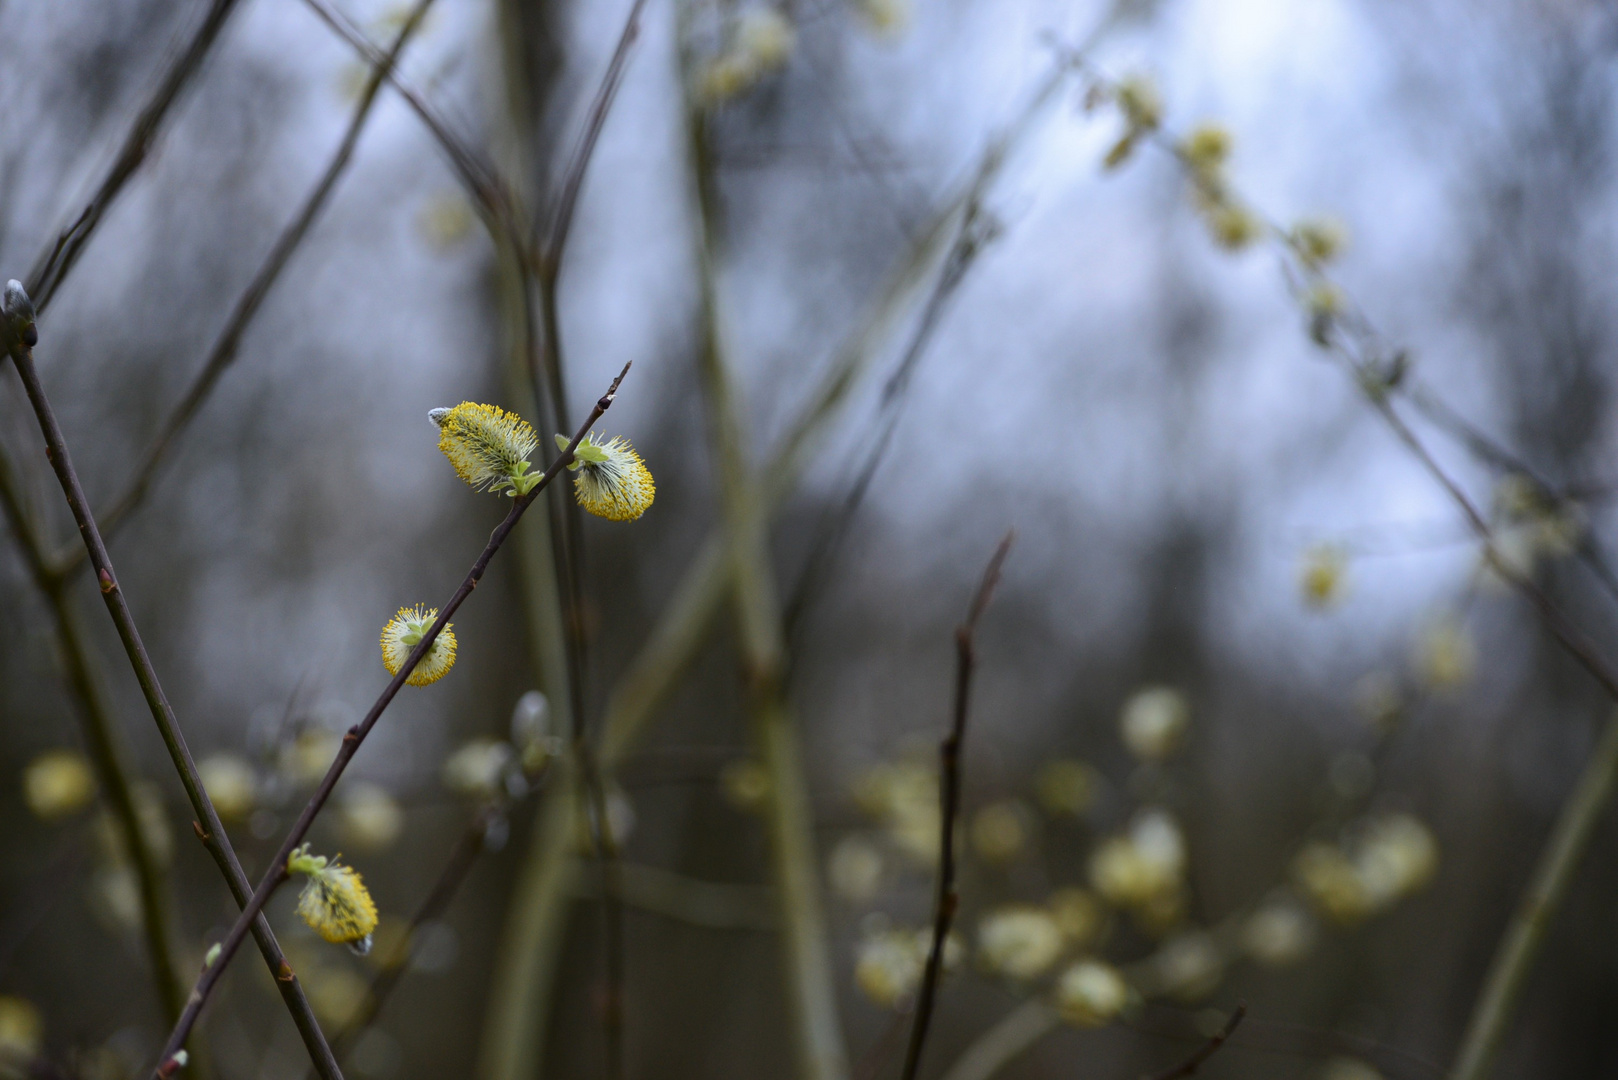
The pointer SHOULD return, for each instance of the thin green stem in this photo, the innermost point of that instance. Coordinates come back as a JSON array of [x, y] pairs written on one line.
[[1514, 958]]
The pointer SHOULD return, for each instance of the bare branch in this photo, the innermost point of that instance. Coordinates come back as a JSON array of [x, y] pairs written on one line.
[[949, 753], [1190, 1065]]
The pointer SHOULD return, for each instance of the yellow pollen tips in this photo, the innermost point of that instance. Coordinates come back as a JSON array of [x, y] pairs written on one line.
[[610, 479], [335, 902], [404, 632], [488, 446]]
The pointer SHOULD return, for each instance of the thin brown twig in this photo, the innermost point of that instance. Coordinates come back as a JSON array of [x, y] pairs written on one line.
[[16, 330], [1190, 1065], [949, 754], [462, 857], [56, 262], [277, 871], [228, 344]]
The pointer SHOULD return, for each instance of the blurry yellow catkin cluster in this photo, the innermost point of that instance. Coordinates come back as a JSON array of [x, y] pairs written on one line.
[[902, 797], [57, 784], [1141, 107], [1142, 870], [1323, 577], [1205, 152], [1529, 525], [888, 961], [1388, 858], [760, 42], [22, 1032]]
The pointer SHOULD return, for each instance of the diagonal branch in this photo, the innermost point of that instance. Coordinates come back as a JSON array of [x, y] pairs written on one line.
[[54, 264], [277, 871], [1190, 1065], [949, 754], [16, 329], [227, 345]]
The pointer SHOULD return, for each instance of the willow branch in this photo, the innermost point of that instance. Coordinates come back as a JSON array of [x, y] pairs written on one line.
[[228, 344], [1190, 1065], [208, 826], [106, 751], [56, 262], [277, 871], [949, 755]]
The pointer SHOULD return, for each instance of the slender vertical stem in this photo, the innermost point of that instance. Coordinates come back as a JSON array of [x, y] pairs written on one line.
[[208, 826], [106, 751], [1514, 958], [811, 988], [949, 755]]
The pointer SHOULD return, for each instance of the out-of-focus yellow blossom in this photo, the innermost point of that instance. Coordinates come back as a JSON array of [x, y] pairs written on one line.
[[368, 817], [1145, 863], [1019, 941], [57, 784], [1091, 993], [610, 479], [1189, 966], [1279, 933], [22, 1029], [1142, 109], [1318, 241], [1396, 855], [1323, 577], [1079, 915], [1446, 655], [1066, 787], [761, 43], [888, 966], [1153, 721], [903, 797], [1331, 882], [1206, 148], [1379, 701], [404, 632], [531, 732], [231, 783], [306, 758], [445, 221], [477, 769], [1000, 832], [746, 784], [334, 901], [336, 993], [1345, 1068], [886, 18], [1233, 227], [1323, 303], [856, 869], [1529, 525]]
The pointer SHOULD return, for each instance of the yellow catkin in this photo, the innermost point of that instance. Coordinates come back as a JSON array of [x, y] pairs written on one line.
[[404, 632], [487, 446], [619, 487], [334, 902]]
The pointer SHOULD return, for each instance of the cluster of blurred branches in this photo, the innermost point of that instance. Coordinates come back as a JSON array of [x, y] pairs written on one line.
[[923, 917]]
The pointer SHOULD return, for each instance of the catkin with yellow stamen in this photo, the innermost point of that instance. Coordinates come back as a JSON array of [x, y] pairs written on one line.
[[404, 632], [488, 446], [334, 902], [610, 479]]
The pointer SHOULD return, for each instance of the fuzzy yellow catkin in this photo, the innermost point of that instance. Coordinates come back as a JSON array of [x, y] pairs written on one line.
[[334, 901], [487, 446], [404, 632], [610, 478]]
